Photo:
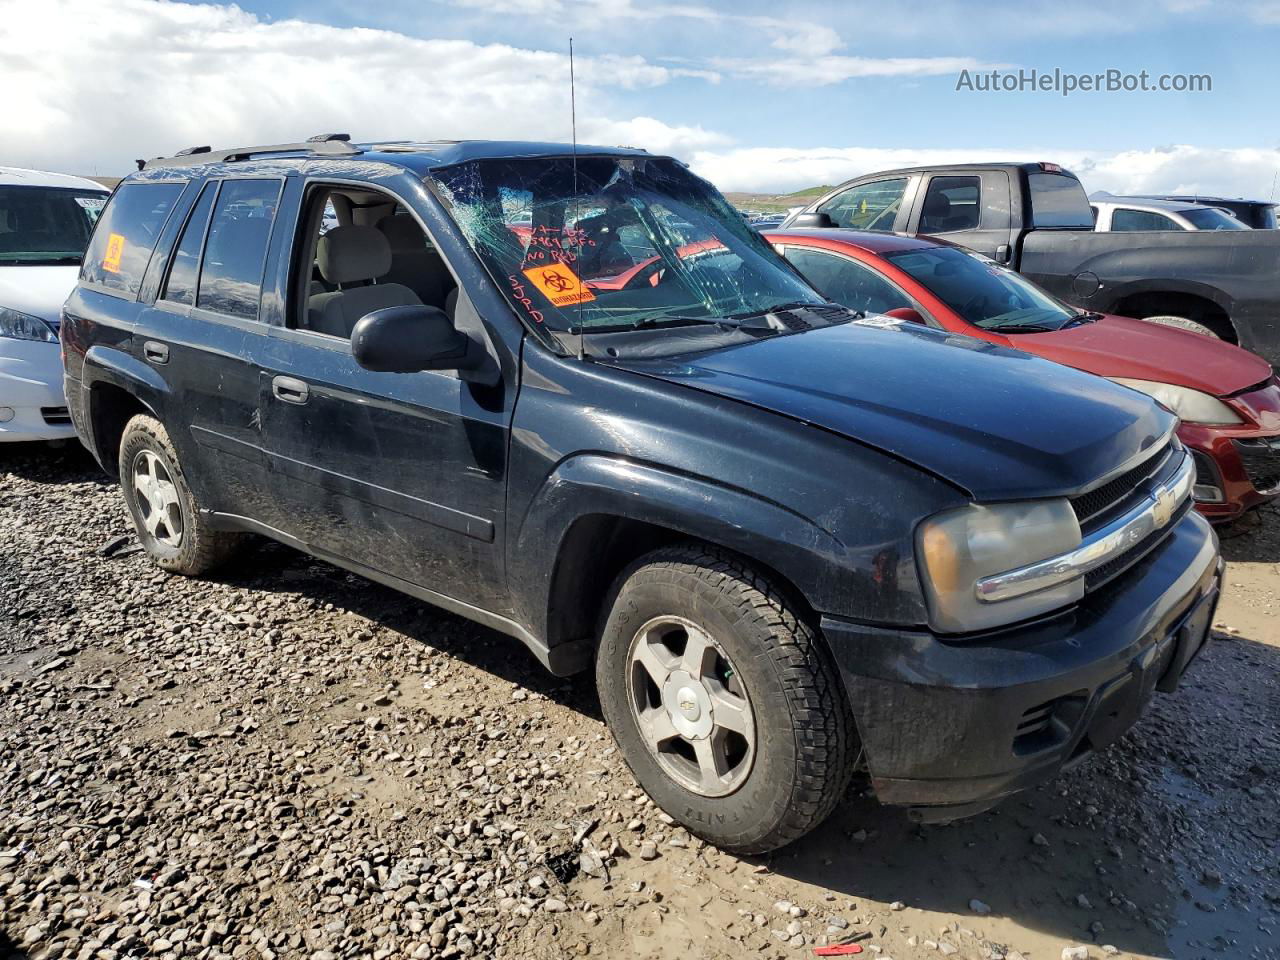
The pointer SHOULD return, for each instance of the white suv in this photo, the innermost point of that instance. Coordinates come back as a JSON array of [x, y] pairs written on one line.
[[45, 222]]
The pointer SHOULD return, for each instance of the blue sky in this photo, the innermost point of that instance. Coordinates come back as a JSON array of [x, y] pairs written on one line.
[[756, 95]]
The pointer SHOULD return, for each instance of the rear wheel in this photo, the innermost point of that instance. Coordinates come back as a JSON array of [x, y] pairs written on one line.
[[1182, 323], [725, 703], [163, 509]]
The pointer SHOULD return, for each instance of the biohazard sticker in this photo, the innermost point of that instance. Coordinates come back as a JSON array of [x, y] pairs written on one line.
[[559, 284], [115, 250]]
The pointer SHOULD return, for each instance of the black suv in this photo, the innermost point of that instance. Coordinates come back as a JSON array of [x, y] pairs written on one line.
[[572, 395]]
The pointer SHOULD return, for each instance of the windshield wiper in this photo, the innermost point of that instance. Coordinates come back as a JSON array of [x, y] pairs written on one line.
[[1022, 327], [1085, 316]]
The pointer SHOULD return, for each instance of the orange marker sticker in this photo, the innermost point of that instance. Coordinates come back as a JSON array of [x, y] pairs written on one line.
[[559, 284], [115, 249]]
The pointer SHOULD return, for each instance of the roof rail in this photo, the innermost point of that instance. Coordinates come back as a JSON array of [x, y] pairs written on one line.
[[323, 145]]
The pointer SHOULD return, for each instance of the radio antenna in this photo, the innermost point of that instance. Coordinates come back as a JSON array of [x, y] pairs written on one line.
[[577, 233]]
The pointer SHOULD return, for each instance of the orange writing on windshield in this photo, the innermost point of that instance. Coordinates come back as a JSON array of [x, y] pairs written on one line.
[[559, 284]]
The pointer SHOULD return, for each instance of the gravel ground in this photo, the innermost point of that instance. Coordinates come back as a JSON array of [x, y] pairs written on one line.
[[288, 761]]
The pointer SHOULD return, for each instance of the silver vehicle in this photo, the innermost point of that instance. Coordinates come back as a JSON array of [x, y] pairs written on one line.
[[1113, 213]]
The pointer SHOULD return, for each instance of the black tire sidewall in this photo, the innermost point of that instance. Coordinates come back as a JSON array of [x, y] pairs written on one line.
[[748, 816], [139, 436]]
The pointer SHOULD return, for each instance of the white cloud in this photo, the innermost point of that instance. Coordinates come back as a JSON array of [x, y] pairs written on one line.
[[1245, 171], [90, 86], [828, 70], [654, 135]]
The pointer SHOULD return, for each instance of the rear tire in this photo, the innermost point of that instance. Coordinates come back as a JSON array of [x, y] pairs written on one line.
[[160, 503], [724, 702], [1182, 323]]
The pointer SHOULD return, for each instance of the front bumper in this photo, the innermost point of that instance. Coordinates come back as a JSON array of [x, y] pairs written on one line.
[[31, 387], [951, 727], [1238, 466]]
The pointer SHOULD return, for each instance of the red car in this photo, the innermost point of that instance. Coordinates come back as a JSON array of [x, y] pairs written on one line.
[[1228, 398]]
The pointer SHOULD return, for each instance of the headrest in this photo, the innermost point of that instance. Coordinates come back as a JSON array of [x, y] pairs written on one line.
[[402, 232], [351, 253], [937, 205]]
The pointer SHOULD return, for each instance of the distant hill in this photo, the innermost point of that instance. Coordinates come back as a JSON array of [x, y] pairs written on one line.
[[776, 202]]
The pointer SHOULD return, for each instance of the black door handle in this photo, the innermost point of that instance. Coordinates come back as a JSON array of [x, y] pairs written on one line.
[[290, 390], [155, 352]]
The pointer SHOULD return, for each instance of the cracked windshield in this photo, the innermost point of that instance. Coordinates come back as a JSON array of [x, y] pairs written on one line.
[[618, 243]]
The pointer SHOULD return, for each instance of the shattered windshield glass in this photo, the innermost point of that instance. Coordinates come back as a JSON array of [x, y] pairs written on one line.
[[617, 243]]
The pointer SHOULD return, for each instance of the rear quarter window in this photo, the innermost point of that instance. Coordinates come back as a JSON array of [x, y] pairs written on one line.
[[126, 235]]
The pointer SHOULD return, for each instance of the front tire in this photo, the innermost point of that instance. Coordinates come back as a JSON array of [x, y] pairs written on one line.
[[1182, 323], [724, 702], [160, 503]]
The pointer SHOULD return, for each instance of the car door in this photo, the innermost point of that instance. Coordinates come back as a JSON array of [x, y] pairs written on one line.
[[202, 330], [401, 475], [971, 209]]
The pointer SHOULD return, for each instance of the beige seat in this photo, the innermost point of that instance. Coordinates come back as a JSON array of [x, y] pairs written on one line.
[[352, 255], [413, 263]]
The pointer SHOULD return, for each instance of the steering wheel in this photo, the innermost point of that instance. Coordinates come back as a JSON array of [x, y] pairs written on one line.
[[975, 305]]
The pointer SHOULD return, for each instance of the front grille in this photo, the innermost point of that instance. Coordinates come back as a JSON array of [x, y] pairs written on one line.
[[1099, 576], [55, 416], [1094, 504], [1261, 458]]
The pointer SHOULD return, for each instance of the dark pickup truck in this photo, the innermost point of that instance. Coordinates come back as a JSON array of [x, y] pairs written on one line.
[[1035, 217]]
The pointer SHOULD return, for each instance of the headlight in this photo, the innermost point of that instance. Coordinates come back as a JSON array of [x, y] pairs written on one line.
[[20, 326], [1190, 405], [958, 548]]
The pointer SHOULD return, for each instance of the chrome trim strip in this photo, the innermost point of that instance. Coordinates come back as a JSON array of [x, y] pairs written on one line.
[[1152, 514]]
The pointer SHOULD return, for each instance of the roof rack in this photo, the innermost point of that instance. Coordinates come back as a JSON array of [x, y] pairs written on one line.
[[322, 145]]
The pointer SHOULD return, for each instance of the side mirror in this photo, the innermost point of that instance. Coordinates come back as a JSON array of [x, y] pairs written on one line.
[[905, 313], [410, 338], [814, 220]]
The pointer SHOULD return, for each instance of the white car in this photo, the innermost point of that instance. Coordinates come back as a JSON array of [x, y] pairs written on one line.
[[45, 222], [1116, 214]]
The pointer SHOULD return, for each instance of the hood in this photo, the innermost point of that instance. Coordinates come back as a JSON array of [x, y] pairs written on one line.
[[997, 422], [38, 291], [1121, 347]]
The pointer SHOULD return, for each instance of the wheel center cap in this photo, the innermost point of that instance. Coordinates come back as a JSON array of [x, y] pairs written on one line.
[[687, 700], [688, 705]]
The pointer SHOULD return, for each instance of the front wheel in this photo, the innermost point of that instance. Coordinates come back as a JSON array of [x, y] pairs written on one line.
[[724, 702]]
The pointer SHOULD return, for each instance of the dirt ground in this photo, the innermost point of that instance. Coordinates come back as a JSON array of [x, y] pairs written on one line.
[[286, 760]]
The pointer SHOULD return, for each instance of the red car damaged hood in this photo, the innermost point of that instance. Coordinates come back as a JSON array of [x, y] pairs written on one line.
[[1120, 347]]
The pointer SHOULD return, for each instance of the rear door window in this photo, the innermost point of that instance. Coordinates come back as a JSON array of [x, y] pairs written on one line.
[[951, 203], [126, 235], [181, 286], [235, 252], [1122, 218], [868, 206]]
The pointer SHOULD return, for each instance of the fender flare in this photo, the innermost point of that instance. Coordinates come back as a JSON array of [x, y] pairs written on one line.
[[103, 365], [811, 558]]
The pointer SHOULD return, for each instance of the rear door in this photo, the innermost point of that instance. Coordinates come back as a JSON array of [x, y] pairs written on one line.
[[968, 208], [201, 331], [404, 474]]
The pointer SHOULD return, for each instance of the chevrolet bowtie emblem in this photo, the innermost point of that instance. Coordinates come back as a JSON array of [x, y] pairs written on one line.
[[1165, 503]]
